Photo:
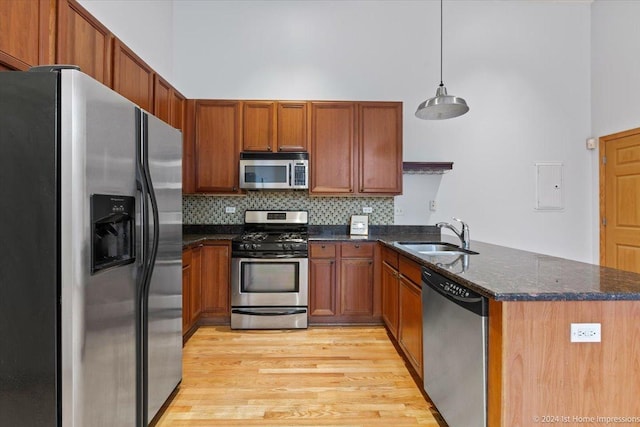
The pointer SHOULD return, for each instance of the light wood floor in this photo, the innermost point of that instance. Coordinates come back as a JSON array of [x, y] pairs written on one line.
[[321, 376]]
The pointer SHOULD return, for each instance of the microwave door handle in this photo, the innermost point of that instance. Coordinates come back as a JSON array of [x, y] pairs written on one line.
[[289, 174]]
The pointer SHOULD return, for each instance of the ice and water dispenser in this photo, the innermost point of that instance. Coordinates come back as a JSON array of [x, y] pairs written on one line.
[[112, 231]]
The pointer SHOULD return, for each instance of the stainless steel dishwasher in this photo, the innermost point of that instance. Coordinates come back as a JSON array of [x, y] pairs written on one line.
[[455, 350]]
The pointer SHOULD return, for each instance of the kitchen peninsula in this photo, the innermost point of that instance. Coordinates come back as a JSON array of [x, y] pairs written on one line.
[[535, 372]]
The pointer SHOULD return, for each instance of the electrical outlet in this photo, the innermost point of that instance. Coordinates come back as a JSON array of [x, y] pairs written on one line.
[[432, 205], [367, 209], [398, 211], [585, 332], [230, 209]]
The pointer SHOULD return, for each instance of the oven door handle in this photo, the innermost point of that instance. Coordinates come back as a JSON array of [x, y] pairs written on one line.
[[268, 255], [270, 312]]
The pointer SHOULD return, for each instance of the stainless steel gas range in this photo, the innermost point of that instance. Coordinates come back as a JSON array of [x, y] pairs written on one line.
[[269, 271]]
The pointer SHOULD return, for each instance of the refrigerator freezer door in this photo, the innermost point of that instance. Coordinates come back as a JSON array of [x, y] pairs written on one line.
[[28, 255], [165, 294], [97, 156]]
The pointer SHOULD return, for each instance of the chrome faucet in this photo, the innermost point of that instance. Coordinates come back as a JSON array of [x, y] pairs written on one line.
[[463, 235]]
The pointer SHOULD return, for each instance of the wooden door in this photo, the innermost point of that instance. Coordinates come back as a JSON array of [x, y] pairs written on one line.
[[410, 328], [195, 288], [356, 280], [186, 287], [217, 146], [189, 148], [620, 201], [390, 291], [322, 282], [258, 125], [26, 33], [292, 118], [333, 147], [84, 41], [322, 287], [380, 143], [132, 77], [162, 99], [215, 280], [178, 110]]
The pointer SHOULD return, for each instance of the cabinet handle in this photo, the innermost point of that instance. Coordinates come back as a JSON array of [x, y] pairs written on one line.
[[235, 189], [370, 262], [323, 246], [268, 148], [357, 246], [280, 149]]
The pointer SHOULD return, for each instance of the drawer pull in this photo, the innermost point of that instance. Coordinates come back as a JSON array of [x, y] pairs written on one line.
[[357, 246]]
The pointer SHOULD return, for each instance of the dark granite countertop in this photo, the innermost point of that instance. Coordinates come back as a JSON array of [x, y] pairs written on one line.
[[507, 274], [498, 272]]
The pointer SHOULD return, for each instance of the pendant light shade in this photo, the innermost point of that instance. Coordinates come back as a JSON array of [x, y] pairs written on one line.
[[442, 106]]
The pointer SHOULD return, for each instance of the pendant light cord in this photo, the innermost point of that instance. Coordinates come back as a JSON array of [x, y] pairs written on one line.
[[441, 83]]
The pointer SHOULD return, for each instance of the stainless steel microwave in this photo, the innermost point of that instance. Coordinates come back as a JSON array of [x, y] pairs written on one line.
[[274, 171]]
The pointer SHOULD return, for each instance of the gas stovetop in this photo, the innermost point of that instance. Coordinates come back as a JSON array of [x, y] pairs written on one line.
[[275, 232]]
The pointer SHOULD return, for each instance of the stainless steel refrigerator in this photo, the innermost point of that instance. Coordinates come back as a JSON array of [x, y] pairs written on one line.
[[90, 254]]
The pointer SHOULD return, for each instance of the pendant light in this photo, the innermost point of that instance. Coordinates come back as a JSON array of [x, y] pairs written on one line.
[[442, 106]]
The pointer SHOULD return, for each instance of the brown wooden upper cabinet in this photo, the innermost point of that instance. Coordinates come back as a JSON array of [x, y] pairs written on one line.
[[274, 126], [132, 77], [380, 147], [168, 103], [84, 41], [217, 145], [333, 147], [26, 33], [356, 148]]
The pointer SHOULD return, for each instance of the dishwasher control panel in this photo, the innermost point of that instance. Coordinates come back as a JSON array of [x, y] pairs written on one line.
[[461, 294]]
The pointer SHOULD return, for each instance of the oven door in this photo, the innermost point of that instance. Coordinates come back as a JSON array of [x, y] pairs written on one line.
[[269, 282]]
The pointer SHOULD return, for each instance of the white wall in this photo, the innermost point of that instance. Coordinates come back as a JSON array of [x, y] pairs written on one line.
[[523, 67], [615, 83], [146, 26]]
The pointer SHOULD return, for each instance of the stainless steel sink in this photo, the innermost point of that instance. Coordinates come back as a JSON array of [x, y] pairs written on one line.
[[435, 248]]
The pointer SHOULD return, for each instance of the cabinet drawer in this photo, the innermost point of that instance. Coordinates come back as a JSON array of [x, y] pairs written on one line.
[[356, 250], [411, 270], [322, 250], [390, 257]]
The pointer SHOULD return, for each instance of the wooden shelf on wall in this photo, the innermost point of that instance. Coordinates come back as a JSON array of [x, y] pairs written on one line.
[[426, 168]]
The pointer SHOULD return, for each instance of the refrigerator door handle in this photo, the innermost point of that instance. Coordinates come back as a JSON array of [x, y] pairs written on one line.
[[150, 260]]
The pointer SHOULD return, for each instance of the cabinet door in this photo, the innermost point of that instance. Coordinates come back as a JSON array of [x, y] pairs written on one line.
[[380, 154], [189, 148], [195, 289], [186, 287], [84, 41], [161, 99], [25, 36], [333, 142], [217, 146], [258, 125], [322, 287], [356, 287], [292, 118], [132, 77], [410, 328], [390, 290], [178, 109], [215, 280]]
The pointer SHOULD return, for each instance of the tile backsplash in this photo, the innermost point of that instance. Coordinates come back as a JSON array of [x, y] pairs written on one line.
[[204, 209]]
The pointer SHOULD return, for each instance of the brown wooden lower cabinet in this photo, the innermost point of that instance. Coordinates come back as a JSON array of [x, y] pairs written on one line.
[[343, 287], [216, 263], [205, 285], [402, 304], [410, 325]]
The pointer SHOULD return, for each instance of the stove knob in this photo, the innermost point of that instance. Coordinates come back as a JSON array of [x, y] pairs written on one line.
[[286, 246], [254, 246]]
